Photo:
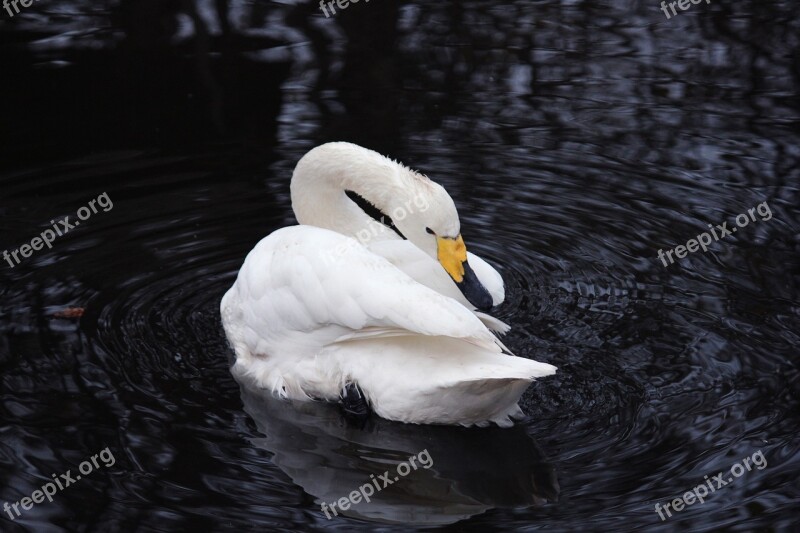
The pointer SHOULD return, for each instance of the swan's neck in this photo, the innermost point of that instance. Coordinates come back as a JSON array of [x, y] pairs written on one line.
[[323, 176]]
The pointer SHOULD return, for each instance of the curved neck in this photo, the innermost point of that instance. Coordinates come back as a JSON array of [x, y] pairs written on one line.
[[323, 176]]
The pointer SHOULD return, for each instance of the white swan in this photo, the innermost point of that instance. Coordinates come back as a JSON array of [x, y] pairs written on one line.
[[344, 298]]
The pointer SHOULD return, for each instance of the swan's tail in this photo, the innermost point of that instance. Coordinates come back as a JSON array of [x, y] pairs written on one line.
[[436, 380]]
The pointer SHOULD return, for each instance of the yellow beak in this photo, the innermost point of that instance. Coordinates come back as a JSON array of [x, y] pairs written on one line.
[[452, 255]]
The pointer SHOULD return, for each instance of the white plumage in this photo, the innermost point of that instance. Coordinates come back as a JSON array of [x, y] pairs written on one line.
[[313, 308]]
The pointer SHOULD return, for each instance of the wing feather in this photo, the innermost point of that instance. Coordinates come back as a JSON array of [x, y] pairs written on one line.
[[304, 279]]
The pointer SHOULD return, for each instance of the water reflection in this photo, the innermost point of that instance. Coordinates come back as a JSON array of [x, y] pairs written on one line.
[[472, 470]]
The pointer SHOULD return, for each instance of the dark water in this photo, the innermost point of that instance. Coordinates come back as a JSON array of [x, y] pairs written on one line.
[[577, 140]]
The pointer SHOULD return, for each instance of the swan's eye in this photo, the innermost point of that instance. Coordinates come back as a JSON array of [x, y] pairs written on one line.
[[429, 230]]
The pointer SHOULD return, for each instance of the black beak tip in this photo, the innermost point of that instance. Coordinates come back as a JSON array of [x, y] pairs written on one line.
[[482, 301], [474, 291]]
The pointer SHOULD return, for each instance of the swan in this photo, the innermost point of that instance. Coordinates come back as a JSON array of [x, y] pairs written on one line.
[[374, 289]]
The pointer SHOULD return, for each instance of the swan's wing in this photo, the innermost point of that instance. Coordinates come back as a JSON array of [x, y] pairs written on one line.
[[494, 324], [311, 286], [420, 267]]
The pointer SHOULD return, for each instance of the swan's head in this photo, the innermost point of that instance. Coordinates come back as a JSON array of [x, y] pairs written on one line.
[[434, 228], [386, 199]]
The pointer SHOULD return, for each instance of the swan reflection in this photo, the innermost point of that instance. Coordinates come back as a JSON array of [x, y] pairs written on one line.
[[469, 470]]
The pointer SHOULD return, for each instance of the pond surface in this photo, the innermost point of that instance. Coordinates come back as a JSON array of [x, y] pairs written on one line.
[[577, 139]]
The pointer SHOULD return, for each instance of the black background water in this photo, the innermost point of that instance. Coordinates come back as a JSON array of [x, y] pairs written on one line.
[[576, 138]]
